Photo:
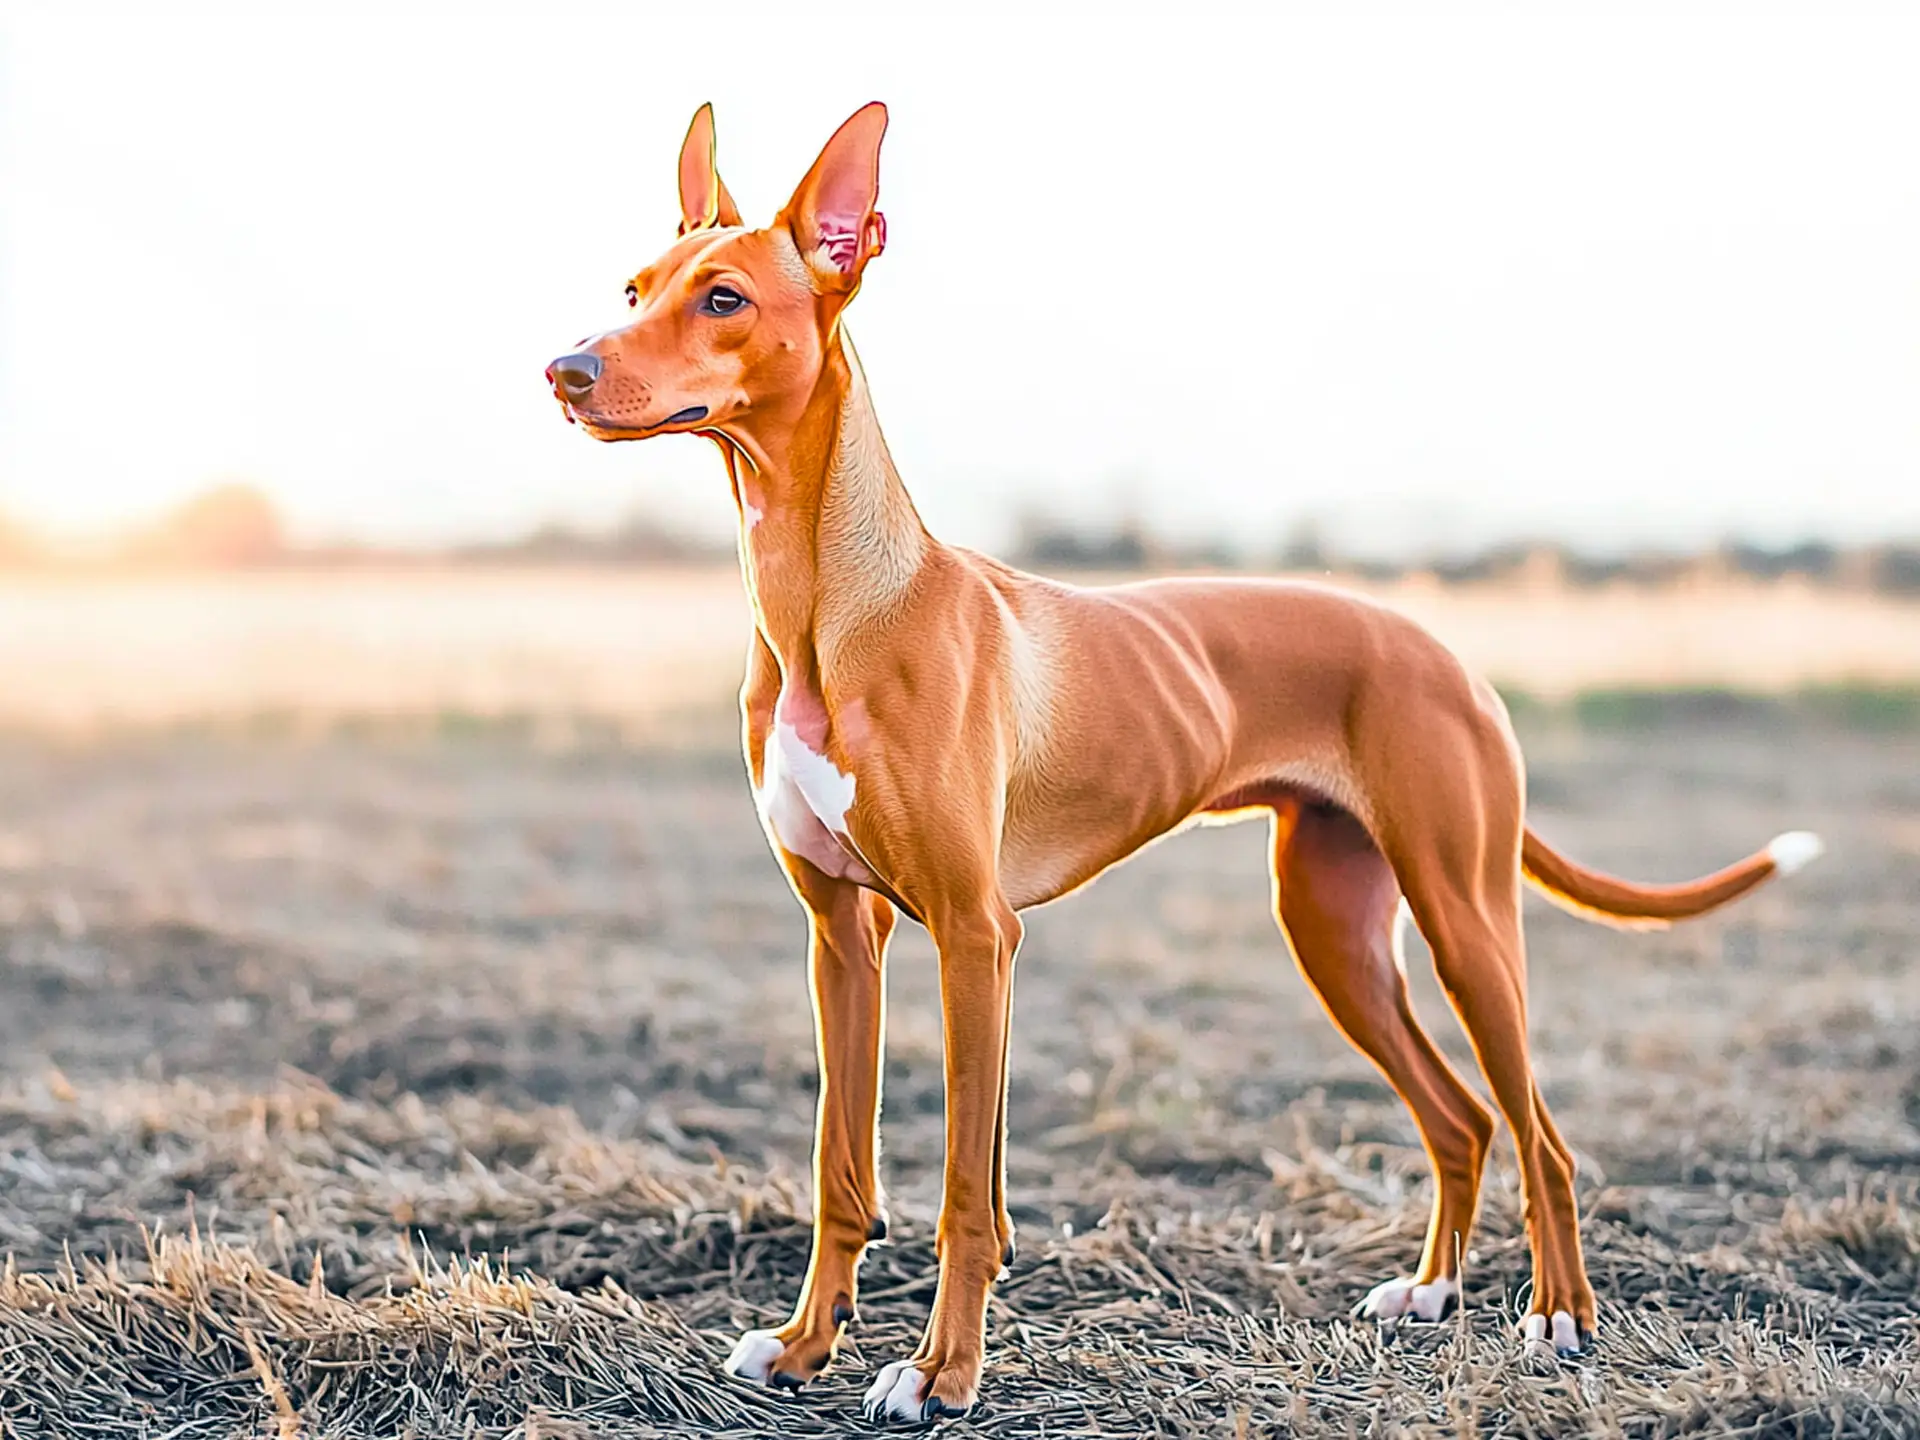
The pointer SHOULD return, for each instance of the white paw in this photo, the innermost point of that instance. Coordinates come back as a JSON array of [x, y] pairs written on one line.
[[1549, 1338], [753, 1355], [1392, 1299], [898, 1392]]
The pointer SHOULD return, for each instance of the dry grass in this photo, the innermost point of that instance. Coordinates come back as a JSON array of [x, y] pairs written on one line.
[[643, 648], [1153, 1322], [467, 1087]]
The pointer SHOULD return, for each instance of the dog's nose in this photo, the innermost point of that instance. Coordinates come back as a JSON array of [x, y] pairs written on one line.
[[575, 374]]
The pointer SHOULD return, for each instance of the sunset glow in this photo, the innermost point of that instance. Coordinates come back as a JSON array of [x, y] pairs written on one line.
[[1433, 280]]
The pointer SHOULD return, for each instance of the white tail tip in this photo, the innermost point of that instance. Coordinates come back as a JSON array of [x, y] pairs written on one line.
[[1795, 850]]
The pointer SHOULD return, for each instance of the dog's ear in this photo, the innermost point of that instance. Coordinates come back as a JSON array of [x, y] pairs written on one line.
[[704, 201], [831, 214]]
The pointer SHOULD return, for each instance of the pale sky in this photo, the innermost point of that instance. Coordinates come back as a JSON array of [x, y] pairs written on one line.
[[1617, 273]]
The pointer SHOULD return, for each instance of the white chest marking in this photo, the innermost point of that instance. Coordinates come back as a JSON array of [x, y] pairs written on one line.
[[804, 798], [823, 787]]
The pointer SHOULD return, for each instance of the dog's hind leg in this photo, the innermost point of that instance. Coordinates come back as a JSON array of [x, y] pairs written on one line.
[[1453, 836], [1481, 962], [1337, 901]]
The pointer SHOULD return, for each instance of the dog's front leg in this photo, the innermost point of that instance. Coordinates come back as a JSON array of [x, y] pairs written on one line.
[[850, 928], [977, 944]]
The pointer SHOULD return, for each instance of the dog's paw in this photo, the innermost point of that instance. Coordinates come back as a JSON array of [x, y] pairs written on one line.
[[904, 1390], [1554, 1337], [753, 1358], [1408, 1298]]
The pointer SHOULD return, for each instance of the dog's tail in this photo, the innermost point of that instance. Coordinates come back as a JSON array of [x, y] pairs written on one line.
[[1593, 896]]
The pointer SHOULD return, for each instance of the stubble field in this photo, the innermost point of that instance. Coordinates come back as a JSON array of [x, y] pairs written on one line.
[[459, 1080]]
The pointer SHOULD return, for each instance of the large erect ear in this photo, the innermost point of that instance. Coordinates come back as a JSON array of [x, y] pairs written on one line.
[[831, 215], [704, 201]]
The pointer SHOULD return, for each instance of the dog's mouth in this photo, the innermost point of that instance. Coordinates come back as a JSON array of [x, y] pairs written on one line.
[[611, 430]]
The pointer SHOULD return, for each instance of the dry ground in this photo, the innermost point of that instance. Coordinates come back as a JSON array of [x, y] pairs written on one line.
[[377, 1003]]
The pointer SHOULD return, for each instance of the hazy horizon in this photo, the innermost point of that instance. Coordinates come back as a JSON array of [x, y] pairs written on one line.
[[1643, 277]]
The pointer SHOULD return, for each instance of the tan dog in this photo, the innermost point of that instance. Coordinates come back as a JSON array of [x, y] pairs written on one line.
[[931, 732]]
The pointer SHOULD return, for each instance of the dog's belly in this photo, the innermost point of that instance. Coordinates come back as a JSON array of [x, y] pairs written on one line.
[[1041, 861], [1032, 874], [1048, 853], [1056, 840]]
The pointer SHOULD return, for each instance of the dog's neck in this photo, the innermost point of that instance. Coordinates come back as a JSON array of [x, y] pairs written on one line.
[[829, 538]]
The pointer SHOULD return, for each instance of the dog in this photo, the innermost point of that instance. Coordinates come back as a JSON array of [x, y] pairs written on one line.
[[932, 733]]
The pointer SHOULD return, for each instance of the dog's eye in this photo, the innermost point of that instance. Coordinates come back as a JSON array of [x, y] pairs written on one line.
[[633, 298], [722, 301]]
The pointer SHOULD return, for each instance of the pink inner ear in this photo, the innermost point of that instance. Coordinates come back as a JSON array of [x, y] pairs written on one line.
[[842, 247], [843, 243]]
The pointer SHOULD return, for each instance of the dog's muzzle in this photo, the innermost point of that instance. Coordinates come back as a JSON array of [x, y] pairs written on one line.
[[574, 375]]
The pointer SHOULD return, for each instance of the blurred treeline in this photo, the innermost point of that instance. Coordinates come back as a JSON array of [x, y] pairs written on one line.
[[236, 526], [1890, 568]]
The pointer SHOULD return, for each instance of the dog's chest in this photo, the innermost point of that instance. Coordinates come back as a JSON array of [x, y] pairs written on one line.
[[804, 796]]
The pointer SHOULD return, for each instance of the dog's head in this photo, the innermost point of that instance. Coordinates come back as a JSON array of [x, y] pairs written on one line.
[[732, 321]]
